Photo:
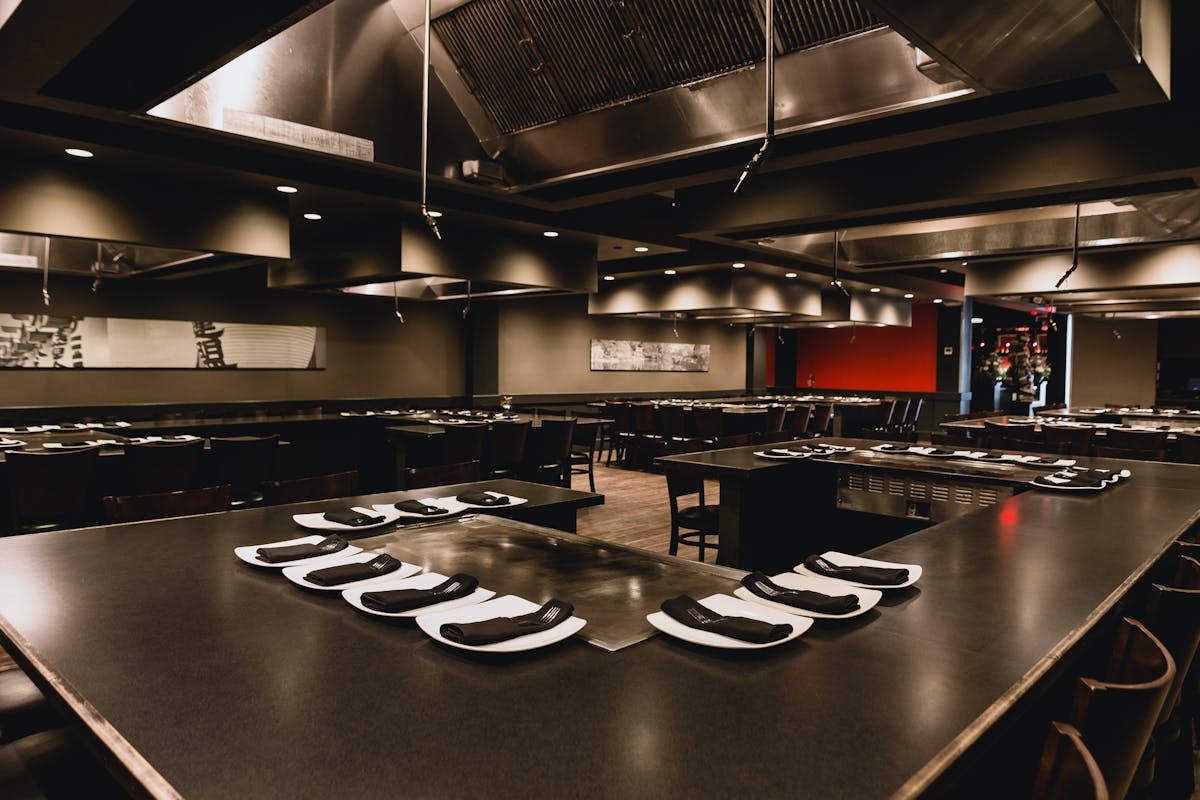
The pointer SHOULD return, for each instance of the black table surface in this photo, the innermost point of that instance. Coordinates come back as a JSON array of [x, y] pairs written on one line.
[[215, 680]]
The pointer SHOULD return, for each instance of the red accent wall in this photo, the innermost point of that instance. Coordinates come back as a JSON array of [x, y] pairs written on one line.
[[880, 359]]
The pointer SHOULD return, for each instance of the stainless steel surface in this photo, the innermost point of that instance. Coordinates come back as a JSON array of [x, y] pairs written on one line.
[[613, 588], [858, 308], [84, 256], [913, 496], [708, 295]]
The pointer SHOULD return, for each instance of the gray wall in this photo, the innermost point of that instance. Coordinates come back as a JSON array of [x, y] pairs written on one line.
[[368, 352], [545, 348], [1105, 369]]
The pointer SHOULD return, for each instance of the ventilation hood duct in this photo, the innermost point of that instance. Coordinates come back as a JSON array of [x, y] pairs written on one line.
[[859, 308], [708, 295]]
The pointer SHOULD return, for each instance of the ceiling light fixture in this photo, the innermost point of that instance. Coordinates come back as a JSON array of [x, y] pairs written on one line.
[[550, 234], [79, 152], [738, 265], [434, 214], [943, 271], [875, 289], [609, 278], [964, 263], [908, 296], [286, 189], [790, 275], [312, 216], [641, 249], [668, 272], [937, 299]]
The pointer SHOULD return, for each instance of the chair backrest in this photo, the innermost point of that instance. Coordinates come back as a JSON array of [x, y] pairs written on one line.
[[244, 462], [1172, 614], [440, 475], [913, 414], [773, 419], [319, 487], [645, 418], [681, 483], [1068, 771], [622, 416], [53, 490], [1189, 447], [797, 419], [1037, 446], [672, 420], [586, 434], [131, 508], [1102, 451], [1116, 713], [506, 444], [163, 466], [887, 412], [1136, 440], [708, 422], [551, 443], [462, 443], [821, 417], [1078, 440], [734, 440]]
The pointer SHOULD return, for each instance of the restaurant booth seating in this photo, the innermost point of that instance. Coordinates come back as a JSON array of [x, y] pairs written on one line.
[[53, 490], [690, 525], [320, 487], [1068, 771], [133, 508]]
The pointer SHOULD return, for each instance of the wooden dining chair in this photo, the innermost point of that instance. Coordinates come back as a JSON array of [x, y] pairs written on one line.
[[1189, 447], [773, 419], [1117, 712], [1078, 440], [690, 525], [462, 443], [1103, 451], [1136, 440], [621, 432], [53, 490], [796, 421], [548, 453], [708, 424], [245, 463], [156, 467], [504, 448], [821, 419], [184, 503], [1067, 770], [319, 487], [583, 452], [438, 475], [912, 416]]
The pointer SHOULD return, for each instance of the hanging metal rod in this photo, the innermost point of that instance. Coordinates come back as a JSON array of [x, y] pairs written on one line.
[[769, 129], [1074, 252], [429, 220]]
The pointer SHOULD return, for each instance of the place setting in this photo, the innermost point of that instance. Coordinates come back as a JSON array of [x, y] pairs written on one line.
[[1081, 479], [353, 518], [508, 624], [308, 550], [10, 444], [808, 595], [411, 597], [727, 623], [867, 573], [364, 569]]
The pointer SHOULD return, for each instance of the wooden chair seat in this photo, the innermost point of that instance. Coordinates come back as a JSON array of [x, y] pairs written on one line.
[[439, 475], [320, 487], [133, 508]]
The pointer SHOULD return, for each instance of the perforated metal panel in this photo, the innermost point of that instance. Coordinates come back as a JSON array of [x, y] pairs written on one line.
[[912, 496], [530, 62]]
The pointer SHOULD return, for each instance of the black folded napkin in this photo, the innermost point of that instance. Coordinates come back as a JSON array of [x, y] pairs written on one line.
[[686, 611], [502, 629], [938, 451], [482, 499], [348, 516], [878, 576], [417, 507], [393, 601], [990, 455], [381, 564], [767, 589], [295, 552], [775, 451]]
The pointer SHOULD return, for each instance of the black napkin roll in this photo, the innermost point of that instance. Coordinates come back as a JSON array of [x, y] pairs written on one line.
[[686, 611], [295, 552], [381, 564], [501, 629], [764, 587], [775, 451], [393, 601], [482, 499], [355, 519], [417, 507], [877, 576]]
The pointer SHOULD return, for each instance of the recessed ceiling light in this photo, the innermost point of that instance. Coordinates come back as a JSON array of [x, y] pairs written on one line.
[[79, 152], [434, 214], [311, 215], [668, 272], [286, 189], [964, 263], [549, 234], [908, 296], [738, 265], [641, 249], [874, 288], [1153, 316], [790, 275], [609, 278], [937, 299], [943, 271], [831, 326]]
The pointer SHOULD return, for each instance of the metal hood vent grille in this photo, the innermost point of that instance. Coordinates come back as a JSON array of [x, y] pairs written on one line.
[[529, 62]]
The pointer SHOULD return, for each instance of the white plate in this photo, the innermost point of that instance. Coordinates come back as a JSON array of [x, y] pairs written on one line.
[[837, 448], [728, 606], [512, 501], [451, 505], [867, 598], [31, 429], [1067, 488], [317, 522], [897, 451], [144, 439], [6, 443], [926, 451], [249, 553], [781, 456], [507, 606], [426, 580], [67, 445], [296, 574], [847, 560]]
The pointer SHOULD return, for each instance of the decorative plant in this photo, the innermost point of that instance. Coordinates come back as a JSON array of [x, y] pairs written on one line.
[[993, 366], [1040, 368]]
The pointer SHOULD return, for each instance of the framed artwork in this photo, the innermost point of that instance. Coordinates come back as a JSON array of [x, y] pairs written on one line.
[[625, 355]]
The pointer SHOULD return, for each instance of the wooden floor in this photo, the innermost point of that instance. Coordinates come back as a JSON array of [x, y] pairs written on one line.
[[635, 510]]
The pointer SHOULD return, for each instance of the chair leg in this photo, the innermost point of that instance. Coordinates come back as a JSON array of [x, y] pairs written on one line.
[[673, 547], [703, 539], [591, 478]]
